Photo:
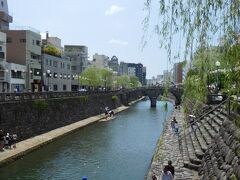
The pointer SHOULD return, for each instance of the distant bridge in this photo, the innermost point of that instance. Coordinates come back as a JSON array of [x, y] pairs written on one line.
[[154, 92]]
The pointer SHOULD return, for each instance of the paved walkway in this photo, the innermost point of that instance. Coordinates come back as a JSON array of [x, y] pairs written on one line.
[[168, 149], [31, 144]]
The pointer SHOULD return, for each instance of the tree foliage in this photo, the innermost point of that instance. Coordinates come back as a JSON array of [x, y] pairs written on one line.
[[123, 81], [91, 77], [51, 50], [198, 24], [133, 82]]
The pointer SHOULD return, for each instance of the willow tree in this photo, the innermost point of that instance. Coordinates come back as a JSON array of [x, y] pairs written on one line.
[[197, 24], [91, 77], [106, 77]]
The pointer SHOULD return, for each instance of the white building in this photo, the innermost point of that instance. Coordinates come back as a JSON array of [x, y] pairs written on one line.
[[100, 61]]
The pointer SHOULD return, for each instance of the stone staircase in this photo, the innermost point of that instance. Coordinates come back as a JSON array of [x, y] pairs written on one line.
[[194, 141]]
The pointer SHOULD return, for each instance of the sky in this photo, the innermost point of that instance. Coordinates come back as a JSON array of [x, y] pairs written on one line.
[[110, 27]]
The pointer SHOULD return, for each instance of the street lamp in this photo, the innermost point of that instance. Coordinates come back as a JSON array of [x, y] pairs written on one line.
[[48, 75], [217, 65]]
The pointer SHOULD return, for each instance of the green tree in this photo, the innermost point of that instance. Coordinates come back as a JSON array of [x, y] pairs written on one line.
[[123, 81], [133, 82], [106, 77], [91, 77]]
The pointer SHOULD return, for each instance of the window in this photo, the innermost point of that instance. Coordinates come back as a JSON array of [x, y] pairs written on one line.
[[37, 72], [55, 87], [34, 56], [63, 66], [74, 68], [50, 63], [16, 74], [64, 87], [33, 42], [55, 75], [38, 43], [9, 39], [68, 66], [2, 3], [46, 61], [54, 63], [2, 55], [22, 40]]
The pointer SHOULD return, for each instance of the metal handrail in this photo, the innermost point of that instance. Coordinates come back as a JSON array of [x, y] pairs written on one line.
[[199, 119]]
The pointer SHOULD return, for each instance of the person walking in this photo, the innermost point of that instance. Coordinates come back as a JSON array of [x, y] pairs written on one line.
[[173, 123], [171, 168], [166, 174]]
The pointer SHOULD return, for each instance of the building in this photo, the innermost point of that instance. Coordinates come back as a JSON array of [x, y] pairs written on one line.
[[132, 69], [15, 77], [123, 68], [144, 76], [53, 41], [177, 73], [160, 79], [24, 48], [167, 77], [3, 64], [113, 64], [56, 73], [5, 18], [138, 68], [56, 68], [100, 61], [79, 62]]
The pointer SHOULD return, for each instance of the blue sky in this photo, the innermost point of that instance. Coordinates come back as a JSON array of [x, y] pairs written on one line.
[[110, 27]]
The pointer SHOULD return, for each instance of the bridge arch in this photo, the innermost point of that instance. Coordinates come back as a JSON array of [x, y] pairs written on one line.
[[154, 92]]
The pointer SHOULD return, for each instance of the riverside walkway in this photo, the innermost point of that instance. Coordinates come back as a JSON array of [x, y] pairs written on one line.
[[31, 144], [28, 145], [168, 149]]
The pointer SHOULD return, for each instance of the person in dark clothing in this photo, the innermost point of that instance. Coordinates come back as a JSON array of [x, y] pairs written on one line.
[[170, 168]]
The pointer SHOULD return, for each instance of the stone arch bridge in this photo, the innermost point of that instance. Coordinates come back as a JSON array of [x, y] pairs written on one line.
[[155, 91]]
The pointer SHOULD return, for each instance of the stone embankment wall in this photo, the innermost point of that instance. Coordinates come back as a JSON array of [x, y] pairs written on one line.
[[222, 158], [31, 118]]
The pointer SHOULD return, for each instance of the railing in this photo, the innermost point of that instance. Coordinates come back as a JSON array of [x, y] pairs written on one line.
[[181, 133], [46, 95]]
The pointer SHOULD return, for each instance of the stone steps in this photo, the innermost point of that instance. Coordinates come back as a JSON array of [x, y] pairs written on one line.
[[204, 133], [186, 160], [211, 120], [196, 140], [200, 139], [195, 143]]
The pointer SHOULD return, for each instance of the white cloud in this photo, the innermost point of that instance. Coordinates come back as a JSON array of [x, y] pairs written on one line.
[[119, 42], [113, 10]]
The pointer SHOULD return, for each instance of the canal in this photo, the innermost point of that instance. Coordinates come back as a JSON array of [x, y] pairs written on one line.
[[120, 149]]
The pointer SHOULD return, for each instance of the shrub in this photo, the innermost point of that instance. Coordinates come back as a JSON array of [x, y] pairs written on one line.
[[83, 99], [40, 104], [114, 98]]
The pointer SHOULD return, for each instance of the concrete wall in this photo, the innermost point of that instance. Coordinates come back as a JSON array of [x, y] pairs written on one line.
[[28, 121]]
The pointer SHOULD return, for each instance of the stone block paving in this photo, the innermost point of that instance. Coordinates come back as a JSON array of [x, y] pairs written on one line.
[[168, 149]]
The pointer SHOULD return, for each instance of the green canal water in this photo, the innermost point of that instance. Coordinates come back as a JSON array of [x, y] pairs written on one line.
[[120, 149]]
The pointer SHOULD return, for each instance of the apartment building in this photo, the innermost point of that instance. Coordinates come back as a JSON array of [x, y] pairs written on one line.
[[79, 62], [24, 48], [100, 61]]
